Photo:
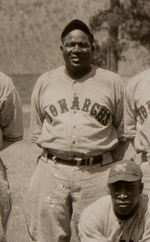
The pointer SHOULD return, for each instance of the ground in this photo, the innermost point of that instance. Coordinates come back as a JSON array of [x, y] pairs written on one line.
[[20, 159]]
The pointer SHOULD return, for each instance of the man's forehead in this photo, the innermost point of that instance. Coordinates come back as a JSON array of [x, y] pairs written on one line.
[[124, 183], [76, 35], [77, 24]]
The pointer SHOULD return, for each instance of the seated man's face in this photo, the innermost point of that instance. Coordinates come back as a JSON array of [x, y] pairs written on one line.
[[125, 197]]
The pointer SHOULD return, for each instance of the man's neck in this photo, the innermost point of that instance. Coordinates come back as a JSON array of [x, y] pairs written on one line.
[[78, 74]]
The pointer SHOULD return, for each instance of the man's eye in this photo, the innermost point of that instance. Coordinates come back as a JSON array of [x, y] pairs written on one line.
[[83, 45], [69, 44]]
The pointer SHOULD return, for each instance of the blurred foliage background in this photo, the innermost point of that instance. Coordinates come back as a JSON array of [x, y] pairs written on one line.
[[30, 31], [124, 25], [29, 45]]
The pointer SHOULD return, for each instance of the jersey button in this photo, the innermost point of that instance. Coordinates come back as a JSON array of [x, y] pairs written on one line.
[[74, 127], [73, 142]]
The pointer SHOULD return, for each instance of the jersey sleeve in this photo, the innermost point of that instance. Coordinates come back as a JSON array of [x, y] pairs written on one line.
[[11, 116], [90, 226], [5, 197], [129, 114], [119, 102], [36, 121]]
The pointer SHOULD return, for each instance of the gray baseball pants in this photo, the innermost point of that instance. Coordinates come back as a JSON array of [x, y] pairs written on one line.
[[57, 195]]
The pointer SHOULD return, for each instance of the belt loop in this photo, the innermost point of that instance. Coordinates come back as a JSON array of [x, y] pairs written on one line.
[[106, 158], [54, 159], [91, 161], [78, 161]]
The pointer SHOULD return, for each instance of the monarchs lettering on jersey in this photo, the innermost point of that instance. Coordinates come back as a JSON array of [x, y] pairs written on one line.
[[143, 112], [95, 110]]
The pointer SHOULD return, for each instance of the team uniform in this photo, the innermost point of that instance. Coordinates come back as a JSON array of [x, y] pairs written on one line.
[[137, 120], [99, 223], [11, 129], [76, 123]]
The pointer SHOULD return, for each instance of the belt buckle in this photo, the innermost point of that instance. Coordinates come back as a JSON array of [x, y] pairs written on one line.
[[78, 160]]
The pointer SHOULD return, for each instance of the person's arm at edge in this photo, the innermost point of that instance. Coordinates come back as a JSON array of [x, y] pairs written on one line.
[[119, 151], [36, 120], [89, 227]]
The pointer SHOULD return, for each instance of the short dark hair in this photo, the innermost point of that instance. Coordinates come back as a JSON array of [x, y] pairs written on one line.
[[77, 24]]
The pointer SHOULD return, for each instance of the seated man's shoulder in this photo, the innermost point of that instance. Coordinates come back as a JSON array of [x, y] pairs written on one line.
[[102, 205], [145, 203]]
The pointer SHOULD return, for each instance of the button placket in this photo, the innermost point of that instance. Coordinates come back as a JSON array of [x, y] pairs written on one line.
[[73, 135]]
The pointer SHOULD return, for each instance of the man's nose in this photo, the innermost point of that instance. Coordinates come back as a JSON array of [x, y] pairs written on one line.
[[76, 48], [123, 195]]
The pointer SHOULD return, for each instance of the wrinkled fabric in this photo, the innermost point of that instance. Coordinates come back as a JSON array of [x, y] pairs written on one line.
[[57, 195]]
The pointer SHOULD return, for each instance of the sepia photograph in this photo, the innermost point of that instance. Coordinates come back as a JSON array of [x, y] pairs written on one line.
[[74, 120]]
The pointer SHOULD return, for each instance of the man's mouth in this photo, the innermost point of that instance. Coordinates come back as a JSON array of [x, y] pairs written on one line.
[[123, 204], [75, 58]]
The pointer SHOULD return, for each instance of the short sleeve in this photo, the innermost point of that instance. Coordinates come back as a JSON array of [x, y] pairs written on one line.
[[11, 115]]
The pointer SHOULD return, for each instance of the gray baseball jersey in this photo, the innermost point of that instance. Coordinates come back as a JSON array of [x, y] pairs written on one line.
[[137, 111], [77, 116], [98, 223], [11, 120]]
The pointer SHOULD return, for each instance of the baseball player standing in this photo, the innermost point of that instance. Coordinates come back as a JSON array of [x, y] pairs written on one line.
[[122, 216], [137, 121], [76, 114], [11, 129]]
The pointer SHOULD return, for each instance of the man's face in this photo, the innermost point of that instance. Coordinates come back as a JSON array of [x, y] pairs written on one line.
[[125, 196], [77, 51]]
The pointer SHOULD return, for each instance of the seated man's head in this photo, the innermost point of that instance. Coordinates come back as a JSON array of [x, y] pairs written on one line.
[[125, 186], [77, 47]]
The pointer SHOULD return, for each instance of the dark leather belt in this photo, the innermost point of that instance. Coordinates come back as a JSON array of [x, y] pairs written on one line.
[[77, 161]]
